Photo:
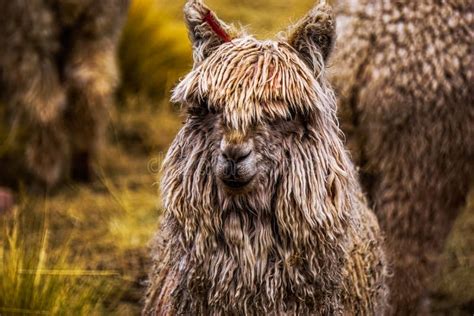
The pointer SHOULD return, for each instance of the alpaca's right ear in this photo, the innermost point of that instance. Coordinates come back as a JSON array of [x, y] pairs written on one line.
[[206, 31]]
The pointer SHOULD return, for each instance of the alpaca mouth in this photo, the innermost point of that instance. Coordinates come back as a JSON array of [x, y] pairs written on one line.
[[236, 183]]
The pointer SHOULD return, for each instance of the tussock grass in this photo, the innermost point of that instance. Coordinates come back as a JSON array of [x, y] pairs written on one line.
[[37, 279], [133, 224], [84, 250]]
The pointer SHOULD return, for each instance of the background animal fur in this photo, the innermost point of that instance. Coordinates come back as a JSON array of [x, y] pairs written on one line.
[[57, 77], [403, 74], [300, 240]]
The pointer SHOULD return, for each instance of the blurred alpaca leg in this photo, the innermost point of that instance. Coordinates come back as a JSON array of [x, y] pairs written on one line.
[[92, 77], [31, 83], [47, 152]]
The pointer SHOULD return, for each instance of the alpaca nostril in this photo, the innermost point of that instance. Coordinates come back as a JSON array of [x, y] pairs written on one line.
[[243, 157], [235, 157]]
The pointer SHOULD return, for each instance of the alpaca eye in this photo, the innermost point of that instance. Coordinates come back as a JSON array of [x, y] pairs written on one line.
[[198, 111], [291, 117]]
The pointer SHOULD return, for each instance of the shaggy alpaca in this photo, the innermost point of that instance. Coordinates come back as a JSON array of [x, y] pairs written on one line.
[[58, 74], [403, 72], [264, 214]]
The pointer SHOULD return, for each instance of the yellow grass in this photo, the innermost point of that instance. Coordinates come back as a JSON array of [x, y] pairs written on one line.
[[39, 279], [154, 50]]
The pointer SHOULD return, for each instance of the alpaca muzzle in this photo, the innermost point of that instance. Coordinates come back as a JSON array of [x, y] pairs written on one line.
[[236, 165]]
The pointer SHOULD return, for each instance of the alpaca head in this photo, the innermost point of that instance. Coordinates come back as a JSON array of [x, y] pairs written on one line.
[[260, 118]]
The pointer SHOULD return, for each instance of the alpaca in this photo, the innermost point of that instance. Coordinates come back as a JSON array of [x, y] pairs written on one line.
[[403, 75], [263, 211], [58, 73]]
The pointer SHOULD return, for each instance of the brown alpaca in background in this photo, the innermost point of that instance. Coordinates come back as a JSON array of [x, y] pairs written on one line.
[[404, 75], [58, 73], [264, 214]]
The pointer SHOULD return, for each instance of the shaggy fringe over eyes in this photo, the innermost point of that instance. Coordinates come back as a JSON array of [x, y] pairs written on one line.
[[250, 81]]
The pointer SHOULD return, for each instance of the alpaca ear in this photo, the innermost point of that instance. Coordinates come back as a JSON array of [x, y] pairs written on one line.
[[206, 31], [314, 35]]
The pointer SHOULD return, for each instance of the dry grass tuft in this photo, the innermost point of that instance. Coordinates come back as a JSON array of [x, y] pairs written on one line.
[[40, 279]]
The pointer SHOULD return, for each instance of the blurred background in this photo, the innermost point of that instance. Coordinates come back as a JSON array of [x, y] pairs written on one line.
[[84, 248]]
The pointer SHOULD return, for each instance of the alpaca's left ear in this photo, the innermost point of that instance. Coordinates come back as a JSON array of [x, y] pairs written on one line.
[[206, 31], [314, 35]]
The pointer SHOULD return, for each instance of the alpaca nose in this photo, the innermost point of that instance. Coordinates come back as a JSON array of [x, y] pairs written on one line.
[[235, 153], [236, 165], [234, 158]]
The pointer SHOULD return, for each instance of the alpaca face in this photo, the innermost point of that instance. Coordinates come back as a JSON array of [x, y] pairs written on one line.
[[234, 159], [242, 161], [252, 110], [247, 129]]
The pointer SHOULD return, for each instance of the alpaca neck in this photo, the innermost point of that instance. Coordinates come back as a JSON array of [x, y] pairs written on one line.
[[251, 255]]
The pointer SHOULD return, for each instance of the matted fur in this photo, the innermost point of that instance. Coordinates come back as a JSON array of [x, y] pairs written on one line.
[[58, 73], [302, 241], [403, 71]]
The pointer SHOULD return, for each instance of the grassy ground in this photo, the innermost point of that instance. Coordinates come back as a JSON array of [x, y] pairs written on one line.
[[454, 289], [84, 249]]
